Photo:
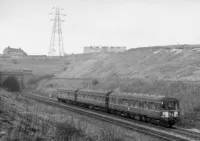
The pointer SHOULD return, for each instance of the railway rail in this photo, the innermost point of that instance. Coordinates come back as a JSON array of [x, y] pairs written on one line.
[[176, 134]]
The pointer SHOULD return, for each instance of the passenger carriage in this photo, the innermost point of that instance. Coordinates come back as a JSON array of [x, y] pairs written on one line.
[[92, 99], [66, 95], [150, 108]]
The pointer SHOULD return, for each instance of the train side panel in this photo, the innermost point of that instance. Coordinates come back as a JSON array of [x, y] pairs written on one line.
[[66, 95], [136, 111], [91, 99]]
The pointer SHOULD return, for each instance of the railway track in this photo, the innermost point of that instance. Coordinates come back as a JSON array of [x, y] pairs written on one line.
[[176, 134]]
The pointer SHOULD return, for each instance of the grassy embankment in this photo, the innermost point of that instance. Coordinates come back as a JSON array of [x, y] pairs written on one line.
[[26, 120]]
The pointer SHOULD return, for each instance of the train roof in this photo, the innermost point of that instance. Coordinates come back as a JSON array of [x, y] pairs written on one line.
[[136, 96], [83, 91], [66, 90], [93, 92], [140, 96]]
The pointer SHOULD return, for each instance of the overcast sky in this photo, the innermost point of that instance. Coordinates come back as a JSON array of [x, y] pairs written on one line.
[[130, 23]]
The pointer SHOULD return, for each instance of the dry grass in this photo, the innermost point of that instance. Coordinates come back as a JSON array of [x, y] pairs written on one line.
[[38, 122]]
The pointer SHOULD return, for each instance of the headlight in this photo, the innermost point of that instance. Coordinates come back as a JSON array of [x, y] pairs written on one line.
[[165, 114], [176, 114]]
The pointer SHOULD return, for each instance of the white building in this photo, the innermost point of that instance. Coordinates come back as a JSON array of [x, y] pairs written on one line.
[[91, 49]]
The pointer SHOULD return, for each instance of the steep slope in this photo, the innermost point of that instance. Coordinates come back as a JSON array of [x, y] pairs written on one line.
[[172, 63]]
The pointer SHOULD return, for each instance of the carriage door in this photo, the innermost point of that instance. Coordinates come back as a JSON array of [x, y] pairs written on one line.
[[75, 95], [108, 99]]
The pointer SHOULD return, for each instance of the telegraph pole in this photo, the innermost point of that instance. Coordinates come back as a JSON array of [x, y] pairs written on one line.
[[56, 37]]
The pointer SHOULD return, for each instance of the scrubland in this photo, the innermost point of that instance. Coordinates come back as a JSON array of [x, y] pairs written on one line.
[[26, 120]]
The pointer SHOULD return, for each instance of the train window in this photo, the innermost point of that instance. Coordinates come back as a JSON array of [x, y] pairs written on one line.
[[141, 104], [130, 102], [125, 102], [145, 105], [99, 98], [152, 106], [157, 105], [133, 103], [176, 106], [137, 104], [170, 105], [120, 101], [111, 100], [114, 100]]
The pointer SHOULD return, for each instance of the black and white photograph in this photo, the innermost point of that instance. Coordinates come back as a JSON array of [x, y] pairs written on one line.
[[99, 70]]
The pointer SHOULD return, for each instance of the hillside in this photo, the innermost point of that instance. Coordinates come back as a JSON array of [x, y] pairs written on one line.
[[169, 63]]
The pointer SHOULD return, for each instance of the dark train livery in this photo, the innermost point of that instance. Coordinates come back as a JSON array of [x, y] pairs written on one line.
[[154, 109]]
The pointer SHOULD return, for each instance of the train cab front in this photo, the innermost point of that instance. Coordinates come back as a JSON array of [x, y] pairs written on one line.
[[170, 112]]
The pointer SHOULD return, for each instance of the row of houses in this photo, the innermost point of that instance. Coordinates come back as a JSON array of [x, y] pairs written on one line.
[[91, 49]]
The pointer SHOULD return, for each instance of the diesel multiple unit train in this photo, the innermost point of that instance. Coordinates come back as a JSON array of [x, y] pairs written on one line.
[[160, 110]]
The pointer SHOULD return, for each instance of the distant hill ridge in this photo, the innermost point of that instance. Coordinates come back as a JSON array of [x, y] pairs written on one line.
[[181, 46]]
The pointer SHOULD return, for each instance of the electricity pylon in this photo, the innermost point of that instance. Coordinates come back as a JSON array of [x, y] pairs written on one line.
[[56, 37]]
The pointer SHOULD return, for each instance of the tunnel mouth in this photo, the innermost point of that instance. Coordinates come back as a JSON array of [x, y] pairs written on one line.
[[11, 84]]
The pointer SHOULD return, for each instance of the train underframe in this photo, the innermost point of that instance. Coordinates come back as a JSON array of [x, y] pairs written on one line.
[[165, 122]]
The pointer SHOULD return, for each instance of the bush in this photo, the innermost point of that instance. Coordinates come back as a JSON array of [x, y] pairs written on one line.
[[95, 82], [15, 61], [36, 80], [68, 132]]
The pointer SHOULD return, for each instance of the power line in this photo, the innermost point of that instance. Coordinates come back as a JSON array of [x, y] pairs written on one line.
[[56, 37]]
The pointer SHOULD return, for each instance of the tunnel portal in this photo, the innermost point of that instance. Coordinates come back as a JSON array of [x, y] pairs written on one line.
[[11, 84]]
